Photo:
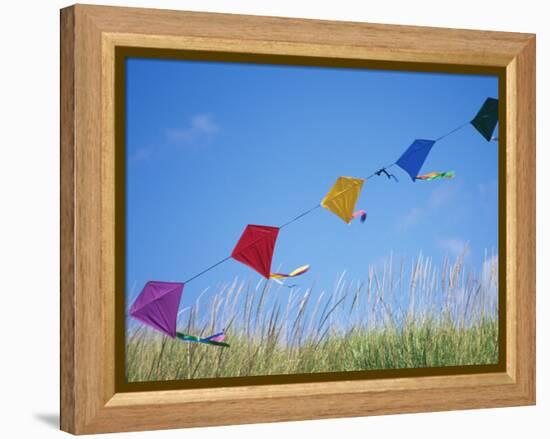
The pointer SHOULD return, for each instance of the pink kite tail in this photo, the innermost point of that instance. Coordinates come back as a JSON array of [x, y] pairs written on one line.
[[360, 213]]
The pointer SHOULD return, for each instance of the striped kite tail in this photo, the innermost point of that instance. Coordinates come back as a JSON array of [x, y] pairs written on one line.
[[299, 271]]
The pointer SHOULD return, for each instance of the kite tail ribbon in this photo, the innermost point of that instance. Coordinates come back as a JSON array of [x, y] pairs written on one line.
[[361, 214], [436, 176], [297, 272], [214, 340], [220, 336]]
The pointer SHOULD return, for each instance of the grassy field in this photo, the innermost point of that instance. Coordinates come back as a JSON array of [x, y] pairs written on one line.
[[396, 318]]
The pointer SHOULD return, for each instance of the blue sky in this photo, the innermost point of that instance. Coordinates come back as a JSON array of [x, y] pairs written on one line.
[[212, 147]]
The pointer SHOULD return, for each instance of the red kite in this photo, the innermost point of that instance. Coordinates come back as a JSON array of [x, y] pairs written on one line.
[[255, 248]]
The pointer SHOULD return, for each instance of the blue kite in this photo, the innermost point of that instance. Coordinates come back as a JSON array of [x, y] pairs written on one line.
[[414, 157]]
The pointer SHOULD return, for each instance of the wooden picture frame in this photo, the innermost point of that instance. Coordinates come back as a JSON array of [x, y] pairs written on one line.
[[91, 400]]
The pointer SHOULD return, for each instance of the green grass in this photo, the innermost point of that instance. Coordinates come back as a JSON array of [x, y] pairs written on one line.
[[426, 318]]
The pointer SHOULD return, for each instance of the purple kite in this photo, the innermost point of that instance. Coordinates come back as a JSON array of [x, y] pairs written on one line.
[[157, 306]]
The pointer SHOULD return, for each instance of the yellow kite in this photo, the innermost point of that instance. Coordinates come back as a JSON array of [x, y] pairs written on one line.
[[341, 199]]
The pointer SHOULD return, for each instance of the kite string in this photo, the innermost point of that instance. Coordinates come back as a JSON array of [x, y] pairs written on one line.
[[301, 215], [452, 131], [207, 269], [336, 195], [378, 170], [296, 218]]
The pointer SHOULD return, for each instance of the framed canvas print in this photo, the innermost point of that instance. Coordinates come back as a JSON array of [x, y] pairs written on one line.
[[267, 219]]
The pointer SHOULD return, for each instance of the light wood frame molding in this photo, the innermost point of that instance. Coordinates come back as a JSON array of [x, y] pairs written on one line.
[[89, 36]]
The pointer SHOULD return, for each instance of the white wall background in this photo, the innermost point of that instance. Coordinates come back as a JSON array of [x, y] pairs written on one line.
[[29, 218]]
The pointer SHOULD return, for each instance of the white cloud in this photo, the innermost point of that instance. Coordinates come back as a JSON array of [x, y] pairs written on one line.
[[410, 219], [439, 197], [201, 126], [442, 195], [204, 124]]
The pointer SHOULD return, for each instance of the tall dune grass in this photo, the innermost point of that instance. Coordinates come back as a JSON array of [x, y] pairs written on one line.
[[398, 317]]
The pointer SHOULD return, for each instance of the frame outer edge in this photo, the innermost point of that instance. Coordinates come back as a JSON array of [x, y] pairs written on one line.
[[67, 205], [91, 352], [83, 308], [83, 408], [526, 219]]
